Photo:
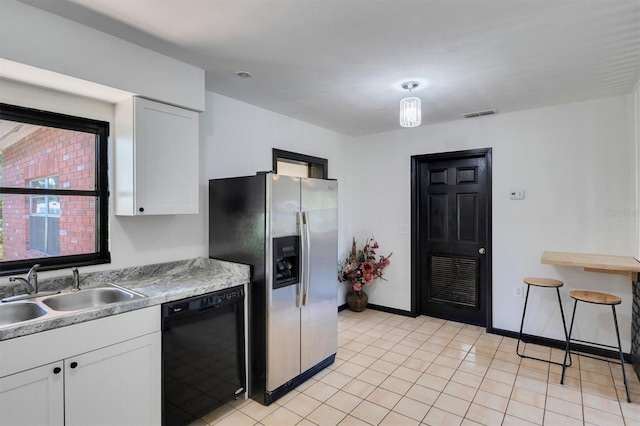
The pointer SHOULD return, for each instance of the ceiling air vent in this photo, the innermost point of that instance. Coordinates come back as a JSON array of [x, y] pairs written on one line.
[[479, 113]]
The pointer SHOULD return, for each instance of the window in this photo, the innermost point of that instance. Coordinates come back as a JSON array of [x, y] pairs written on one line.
[[294, 164], [53, 190]]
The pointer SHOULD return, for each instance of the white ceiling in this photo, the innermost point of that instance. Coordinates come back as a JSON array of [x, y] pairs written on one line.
[[339, 64]]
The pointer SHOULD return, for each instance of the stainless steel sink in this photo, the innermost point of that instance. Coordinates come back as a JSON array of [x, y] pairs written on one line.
[[11, 313], [89, 298]]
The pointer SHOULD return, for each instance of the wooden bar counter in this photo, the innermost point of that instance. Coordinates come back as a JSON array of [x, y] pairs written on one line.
[[618, 265]]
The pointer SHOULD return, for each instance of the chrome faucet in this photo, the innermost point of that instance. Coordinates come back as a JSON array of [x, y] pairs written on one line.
[[26, 283], [31, 281], [76, 279]]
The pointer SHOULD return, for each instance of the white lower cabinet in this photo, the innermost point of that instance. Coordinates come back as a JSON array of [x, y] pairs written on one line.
[[116, 385], [33, 397], [102, 372]]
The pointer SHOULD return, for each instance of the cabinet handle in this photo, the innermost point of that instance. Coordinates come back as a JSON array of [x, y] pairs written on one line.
[[141, 209], [73, 364], [57, 370]]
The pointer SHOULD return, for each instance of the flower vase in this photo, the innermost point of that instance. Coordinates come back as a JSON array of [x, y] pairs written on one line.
[[357, 300]]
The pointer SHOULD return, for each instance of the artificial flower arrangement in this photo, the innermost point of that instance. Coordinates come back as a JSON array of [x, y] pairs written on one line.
[[360, 267]]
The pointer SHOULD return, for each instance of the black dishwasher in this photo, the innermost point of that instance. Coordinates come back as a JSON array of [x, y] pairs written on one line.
[[203, 360]]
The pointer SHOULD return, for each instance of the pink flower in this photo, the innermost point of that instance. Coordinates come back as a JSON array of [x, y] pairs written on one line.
[[357, 287], [367, 267]]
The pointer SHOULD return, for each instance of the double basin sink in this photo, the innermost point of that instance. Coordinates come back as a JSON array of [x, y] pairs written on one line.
[[13, 313]]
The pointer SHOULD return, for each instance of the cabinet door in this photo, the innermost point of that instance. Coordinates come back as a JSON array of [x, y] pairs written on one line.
[[116, 385], [33, 397], [166, 159]]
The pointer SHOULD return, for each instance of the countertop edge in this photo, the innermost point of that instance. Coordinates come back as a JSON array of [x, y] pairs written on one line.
[[160, 283]]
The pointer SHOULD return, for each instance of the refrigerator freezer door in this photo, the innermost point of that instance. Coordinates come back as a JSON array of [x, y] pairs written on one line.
[[319, 329], [283, 316]]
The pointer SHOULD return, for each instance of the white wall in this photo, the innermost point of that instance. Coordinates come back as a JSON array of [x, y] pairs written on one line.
[[40, 39], [575, 162], [238, 139]]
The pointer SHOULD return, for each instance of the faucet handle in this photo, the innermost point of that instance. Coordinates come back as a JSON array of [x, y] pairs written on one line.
[[33, 271], [76, 279]]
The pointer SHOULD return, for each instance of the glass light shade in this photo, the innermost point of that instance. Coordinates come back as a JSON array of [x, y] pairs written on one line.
[[410, 112]]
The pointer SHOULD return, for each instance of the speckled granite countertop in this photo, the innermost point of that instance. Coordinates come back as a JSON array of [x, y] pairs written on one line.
[[160, 283]]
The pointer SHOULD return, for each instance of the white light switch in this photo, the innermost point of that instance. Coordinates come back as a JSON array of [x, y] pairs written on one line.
[[516, 194]]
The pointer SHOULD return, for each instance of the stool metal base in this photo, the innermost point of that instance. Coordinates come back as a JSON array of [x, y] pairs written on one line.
[[567, 351], [564, 327]]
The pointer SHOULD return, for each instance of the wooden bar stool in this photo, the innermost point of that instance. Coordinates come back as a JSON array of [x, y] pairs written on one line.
[[597, 299], [544, 283]]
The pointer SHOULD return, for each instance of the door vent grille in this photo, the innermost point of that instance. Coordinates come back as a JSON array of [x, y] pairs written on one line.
[[479, 113], [454, 280]]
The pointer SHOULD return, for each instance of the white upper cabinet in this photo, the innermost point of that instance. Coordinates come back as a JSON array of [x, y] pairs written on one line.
[[156, 159]]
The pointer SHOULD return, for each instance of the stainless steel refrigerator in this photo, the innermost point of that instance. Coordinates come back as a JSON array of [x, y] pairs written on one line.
[[286, 229]]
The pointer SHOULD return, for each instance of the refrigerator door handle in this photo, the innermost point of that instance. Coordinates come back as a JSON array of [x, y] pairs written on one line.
[[301, 282], [307, 259]]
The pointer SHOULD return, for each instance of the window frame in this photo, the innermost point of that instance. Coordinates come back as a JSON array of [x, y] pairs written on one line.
[[101, 192], [279, 154]]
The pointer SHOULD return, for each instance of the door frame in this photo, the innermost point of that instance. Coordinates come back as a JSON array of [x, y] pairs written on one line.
[[416, 161]]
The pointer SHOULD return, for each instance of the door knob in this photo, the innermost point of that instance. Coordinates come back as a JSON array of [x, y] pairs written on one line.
[[73, 364], [482, 250]]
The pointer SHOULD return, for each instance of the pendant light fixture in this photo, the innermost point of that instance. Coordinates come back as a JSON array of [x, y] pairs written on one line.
[[411, 107]]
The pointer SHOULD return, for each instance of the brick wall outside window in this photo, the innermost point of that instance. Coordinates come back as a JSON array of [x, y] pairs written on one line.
[[50, 152]]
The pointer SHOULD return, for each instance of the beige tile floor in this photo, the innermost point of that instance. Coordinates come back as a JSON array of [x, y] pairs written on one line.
[[395, 370]]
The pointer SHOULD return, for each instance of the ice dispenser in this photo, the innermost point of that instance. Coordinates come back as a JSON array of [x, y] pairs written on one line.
[[286, 259]]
